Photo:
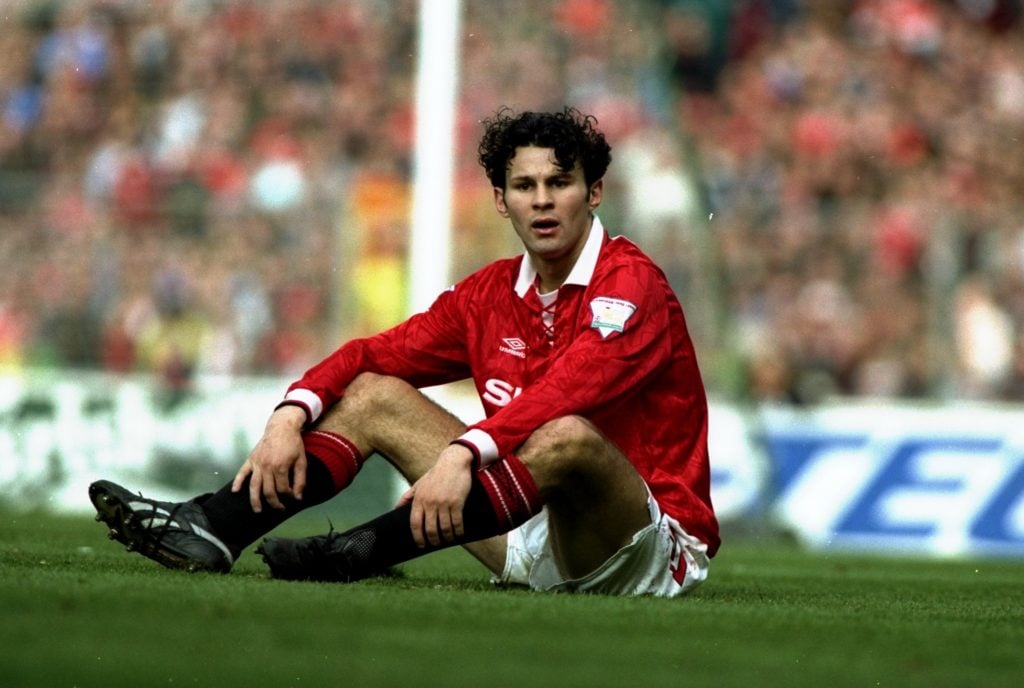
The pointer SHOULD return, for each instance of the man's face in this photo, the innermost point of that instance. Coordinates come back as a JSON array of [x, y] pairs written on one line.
[[549, 208]]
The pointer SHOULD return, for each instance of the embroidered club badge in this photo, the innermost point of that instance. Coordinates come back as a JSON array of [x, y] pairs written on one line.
[[610, 315]]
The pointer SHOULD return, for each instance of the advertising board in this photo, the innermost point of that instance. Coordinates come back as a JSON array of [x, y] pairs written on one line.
[[888, 477]]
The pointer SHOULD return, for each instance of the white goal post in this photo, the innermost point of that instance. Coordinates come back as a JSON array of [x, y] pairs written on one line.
[[437, 75]]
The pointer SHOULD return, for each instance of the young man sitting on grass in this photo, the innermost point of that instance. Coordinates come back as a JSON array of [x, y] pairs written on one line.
[[590, 471]]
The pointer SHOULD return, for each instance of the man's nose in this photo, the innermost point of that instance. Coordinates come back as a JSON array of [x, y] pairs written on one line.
[[542, 197]]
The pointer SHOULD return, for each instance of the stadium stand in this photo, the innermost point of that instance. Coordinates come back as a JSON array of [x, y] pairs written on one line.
[[833, 188]]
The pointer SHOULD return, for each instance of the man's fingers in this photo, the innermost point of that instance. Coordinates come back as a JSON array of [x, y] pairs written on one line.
[[255, 492], [406, 497], [445, 526], [416, 523], [272, 488], [299, 476], [244, 472], [450, 525], [458, 525], [431, 518], [434, 527]]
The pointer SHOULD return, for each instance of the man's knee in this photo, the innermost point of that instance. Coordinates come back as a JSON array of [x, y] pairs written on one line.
[[372, 394], [562, 445], [580, 471]]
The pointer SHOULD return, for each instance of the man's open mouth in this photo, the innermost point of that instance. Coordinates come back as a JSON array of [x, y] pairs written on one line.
[[544, 223]]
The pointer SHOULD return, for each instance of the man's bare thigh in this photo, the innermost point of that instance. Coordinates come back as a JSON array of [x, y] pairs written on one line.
[[595, 498]]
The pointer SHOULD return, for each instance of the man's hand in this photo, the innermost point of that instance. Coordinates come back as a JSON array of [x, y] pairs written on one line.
[[277, 463], [438, 497]]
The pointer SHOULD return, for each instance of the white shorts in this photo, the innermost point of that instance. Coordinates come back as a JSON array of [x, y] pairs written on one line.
[[662, 560]]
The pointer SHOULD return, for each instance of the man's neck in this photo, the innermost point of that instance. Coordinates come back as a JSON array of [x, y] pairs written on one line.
[[551, 281], [552, 275]]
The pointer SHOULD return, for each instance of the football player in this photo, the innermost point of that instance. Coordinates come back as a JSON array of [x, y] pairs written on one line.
[[590, 469]]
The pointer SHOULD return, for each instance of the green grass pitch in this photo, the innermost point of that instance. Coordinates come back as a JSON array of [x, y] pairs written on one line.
[[77, 610]]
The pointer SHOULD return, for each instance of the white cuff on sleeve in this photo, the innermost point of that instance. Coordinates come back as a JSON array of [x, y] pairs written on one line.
[[486, 449], [308, 399]]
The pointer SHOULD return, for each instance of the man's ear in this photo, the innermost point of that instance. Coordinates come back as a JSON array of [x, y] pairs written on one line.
[[596, 193], [499, 201]]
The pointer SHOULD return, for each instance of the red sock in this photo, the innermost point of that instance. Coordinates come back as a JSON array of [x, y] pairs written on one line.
[[333, 464], [501, 497], [511, 490], [338, 454]]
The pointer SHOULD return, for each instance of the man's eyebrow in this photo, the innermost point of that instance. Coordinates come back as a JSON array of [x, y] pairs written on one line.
[[531, 177]]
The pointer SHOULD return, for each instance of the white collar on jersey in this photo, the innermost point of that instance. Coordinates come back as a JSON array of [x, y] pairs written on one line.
[[581, 272]]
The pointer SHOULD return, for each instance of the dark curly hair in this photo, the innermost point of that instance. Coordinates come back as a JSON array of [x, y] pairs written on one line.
[[570, 133]]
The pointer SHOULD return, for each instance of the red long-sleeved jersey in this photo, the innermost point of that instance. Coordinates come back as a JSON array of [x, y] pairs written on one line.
[[617, 353]]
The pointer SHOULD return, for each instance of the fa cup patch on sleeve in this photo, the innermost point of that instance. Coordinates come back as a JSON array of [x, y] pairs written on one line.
[[610, 315]]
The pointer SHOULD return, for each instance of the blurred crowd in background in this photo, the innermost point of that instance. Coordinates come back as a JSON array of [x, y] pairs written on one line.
[[833, 188]]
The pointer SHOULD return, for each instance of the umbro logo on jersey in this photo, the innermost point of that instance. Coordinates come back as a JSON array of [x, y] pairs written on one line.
[[513, 346]]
